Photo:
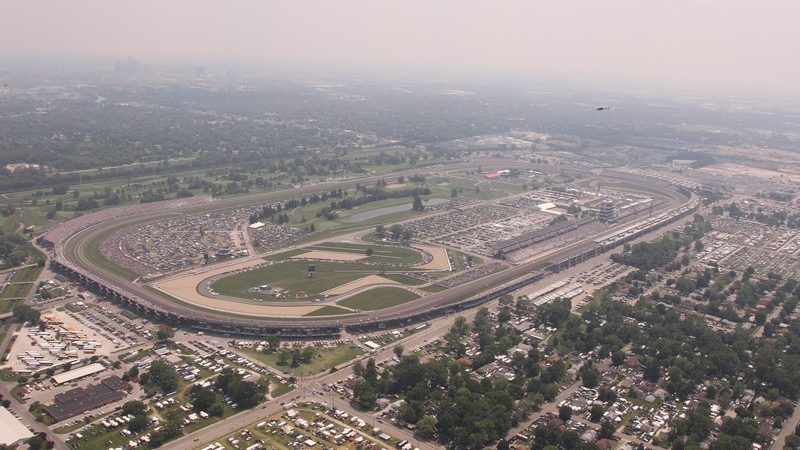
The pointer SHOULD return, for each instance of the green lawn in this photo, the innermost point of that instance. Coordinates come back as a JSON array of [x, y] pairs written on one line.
[[292, 276], [379, 298], [433, 288], [404, 279], [27, 275], [323, 359], [328, 311]]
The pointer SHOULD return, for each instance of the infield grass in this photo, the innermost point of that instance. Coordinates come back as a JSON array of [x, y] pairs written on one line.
[[379, 298], [292, 276]]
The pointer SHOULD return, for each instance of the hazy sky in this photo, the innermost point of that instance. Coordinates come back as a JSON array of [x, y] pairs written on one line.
[[735, 45]]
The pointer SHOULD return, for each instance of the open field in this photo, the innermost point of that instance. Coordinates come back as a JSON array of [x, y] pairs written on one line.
[[25, 277], [433, 288], [323, 359], [369, 280], [293, 277], [379, 298], [730, 169]]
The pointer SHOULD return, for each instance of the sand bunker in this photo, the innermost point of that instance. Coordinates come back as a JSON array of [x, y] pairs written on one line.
[[395, 186], [369, 280], [440, 260], [330, 256]]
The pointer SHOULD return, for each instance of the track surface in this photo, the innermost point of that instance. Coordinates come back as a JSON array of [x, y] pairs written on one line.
[[74, 251]]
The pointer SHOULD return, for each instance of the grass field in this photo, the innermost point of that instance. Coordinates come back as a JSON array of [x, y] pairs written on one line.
[[404, 279], [379, 298], [16, 291], [433, 288], [328, 311], [292, 276], [323, 359]]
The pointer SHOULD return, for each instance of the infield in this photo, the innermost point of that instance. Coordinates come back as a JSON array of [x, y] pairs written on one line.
[[379, 298], [369, 280]]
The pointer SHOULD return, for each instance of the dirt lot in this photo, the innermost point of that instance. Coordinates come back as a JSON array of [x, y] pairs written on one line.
[[440, 260], [358, 284], [728, 170], [330, 256]]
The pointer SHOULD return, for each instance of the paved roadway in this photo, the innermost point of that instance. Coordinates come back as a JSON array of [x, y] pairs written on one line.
[[217, 430], [788, 429]]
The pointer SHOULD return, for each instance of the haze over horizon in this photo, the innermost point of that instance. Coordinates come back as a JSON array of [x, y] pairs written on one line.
[[735, 46]]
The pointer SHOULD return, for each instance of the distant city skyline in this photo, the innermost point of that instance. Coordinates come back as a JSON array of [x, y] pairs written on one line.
[[732, 45]]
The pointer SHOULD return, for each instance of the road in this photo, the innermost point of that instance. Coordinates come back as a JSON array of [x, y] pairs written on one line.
[[788, 429], [215, 431], [27, 418]]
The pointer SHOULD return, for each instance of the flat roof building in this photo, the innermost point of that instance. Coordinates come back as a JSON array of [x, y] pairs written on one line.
[[78, 373], [12, 431], [81, 400]]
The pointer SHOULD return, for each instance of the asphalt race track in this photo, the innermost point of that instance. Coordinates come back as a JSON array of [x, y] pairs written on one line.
[[71, 259]]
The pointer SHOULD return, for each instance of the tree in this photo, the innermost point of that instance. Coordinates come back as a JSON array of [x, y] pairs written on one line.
[[138, 423], [307, 355], [596, 413], [369, 251], [590, 376], [273, 342], [202, 398], [607, 430], [36, 443], [398, 350], [396, 231], [380, 232], [161, 374], [134, 408], [165, 333], [426, 426], [245, 394], [685, 285], [23, 313], [417, 205], [652, 372], [364, 393], [504, 315], [565, 413], [283, 357]]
